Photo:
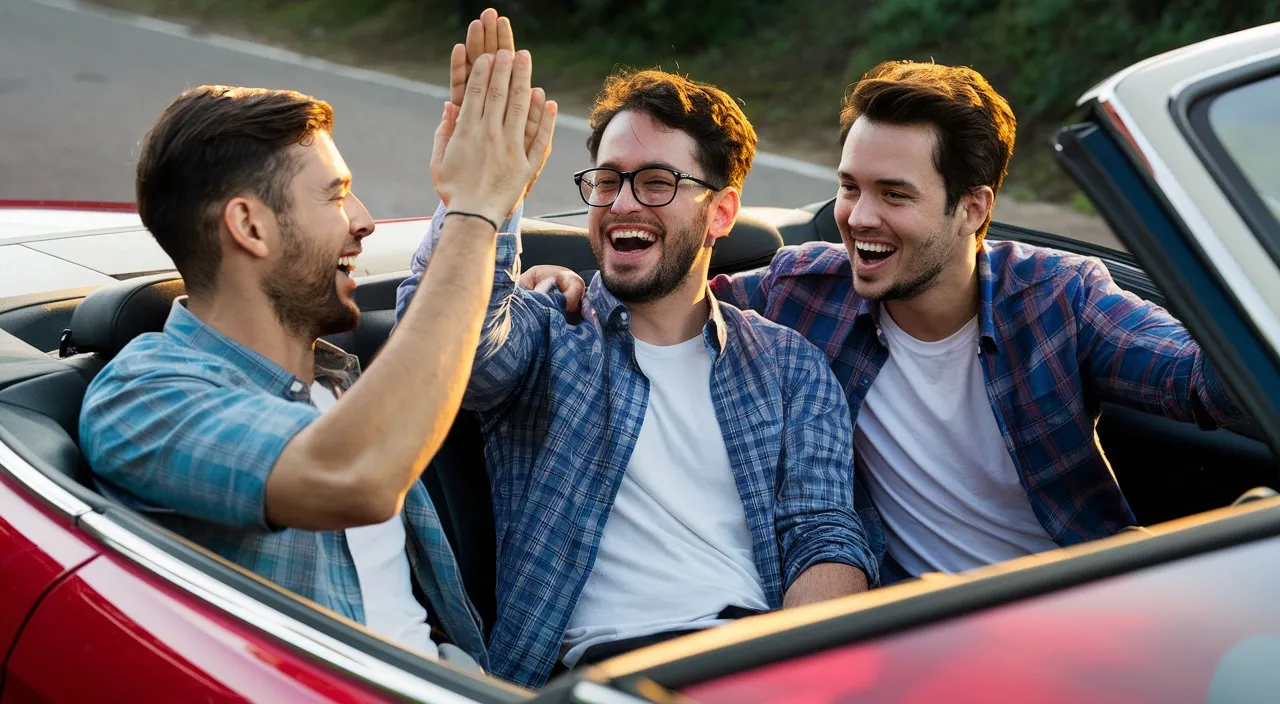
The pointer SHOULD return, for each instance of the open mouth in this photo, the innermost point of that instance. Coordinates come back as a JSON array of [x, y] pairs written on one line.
[[874, 252], [628, 241], [347, 265]]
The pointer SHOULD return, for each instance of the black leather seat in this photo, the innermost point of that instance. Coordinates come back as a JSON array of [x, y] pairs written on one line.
[[40, 407]]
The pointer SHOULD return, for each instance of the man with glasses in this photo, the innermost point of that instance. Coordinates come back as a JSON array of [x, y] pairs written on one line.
[[670, 462]]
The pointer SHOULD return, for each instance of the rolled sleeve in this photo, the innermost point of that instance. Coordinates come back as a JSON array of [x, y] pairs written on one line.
[[185, 445], [816, 520]]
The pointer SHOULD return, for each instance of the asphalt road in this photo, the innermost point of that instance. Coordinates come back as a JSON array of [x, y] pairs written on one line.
[[80, 86]]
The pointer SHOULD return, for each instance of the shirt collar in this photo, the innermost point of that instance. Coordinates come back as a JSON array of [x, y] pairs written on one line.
[[331, 362], [613, 314], [986, 291]]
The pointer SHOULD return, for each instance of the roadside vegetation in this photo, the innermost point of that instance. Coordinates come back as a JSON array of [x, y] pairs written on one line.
[[789, 61]]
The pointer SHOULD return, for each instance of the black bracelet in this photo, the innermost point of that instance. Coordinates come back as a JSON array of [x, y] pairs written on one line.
[[473, 215]]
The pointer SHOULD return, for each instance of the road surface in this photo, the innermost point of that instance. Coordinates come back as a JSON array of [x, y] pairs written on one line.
[[79, 86]]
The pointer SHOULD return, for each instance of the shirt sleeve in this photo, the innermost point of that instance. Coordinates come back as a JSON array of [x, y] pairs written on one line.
[[184, 445], [816, 521], [1137, 354]]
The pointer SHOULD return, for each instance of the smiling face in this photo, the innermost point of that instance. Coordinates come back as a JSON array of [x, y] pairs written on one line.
[[892, 211], [307, 277], [646, 253]]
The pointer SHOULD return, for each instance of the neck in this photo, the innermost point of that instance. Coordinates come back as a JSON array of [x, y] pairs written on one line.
[[243, 314], [945, 307], [679, 316]]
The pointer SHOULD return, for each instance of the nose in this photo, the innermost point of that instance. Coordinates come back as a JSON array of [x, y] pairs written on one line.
[[362, 224], [626, 201], [863, 215]]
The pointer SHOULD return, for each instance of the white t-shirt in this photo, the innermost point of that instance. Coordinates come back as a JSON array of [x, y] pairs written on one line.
[[390, 608], [676, 548], [934, 461]]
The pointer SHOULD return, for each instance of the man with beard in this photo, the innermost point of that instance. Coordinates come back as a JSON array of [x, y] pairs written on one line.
[[975, 370], [670, 462], [240, 430]]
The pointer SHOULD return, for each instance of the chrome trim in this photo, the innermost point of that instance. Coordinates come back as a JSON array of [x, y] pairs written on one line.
[[291, 631], [1240, 286], [43, 487]]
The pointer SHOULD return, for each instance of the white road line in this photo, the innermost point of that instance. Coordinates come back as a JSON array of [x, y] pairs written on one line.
[[173, 29]]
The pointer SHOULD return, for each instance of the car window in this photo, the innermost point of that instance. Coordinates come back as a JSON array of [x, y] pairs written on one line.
[[1246, 120]]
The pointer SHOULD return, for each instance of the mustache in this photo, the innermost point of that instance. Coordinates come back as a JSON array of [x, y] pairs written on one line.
[[611, 220]]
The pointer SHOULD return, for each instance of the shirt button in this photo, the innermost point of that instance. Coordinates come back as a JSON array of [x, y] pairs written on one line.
[[296, 387]]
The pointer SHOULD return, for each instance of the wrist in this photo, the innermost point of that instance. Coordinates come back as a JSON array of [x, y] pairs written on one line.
[[488, 209]]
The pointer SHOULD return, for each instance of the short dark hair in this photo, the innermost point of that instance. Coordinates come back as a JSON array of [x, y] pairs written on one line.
[[975, 126], [209, 145], [726, 140]]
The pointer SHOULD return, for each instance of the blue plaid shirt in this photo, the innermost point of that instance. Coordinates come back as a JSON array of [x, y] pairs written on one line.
[[185, 426], [561, 405], [1058, 337]]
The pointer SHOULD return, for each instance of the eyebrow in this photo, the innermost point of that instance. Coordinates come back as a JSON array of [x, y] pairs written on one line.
[[338, 184], [651, 165], [885, 182]]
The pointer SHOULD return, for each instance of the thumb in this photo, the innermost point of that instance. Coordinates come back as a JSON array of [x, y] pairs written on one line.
[[448, 122]]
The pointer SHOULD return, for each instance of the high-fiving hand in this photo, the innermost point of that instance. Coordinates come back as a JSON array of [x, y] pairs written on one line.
[[488, 35], [489, 149]]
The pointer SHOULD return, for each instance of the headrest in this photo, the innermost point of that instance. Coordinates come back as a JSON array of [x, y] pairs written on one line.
[[752, 243], [107, 319]]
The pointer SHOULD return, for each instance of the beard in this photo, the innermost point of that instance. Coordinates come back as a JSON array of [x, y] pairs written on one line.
[[680, 248], [303, 291], [930, 258]]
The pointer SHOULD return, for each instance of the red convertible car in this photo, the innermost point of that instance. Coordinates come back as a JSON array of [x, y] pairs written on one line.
[[1180, 153]]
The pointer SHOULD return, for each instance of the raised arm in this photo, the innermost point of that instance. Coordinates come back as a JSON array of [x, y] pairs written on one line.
[[354, 465]]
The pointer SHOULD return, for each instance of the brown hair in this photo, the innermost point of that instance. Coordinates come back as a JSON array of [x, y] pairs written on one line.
[[209, 145], [726, 140], [975, 126]]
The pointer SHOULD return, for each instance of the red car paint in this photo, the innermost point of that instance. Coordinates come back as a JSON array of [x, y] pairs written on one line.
[[98, 629], [93, 205], [36, 550], [1189, 631]]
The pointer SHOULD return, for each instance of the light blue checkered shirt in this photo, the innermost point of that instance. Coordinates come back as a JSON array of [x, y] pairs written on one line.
[[561, 406], [184, 426]]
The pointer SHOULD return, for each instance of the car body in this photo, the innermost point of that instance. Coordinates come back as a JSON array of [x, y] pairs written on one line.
[[99, 603]]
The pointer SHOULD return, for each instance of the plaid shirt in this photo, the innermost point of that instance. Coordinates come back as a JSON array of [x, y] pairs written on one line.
[[185, 426], [1058, 337], [562, 404]]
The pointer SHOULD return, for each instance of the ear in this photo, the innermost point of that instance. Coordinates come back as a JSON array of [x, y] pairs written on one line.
[[974, 208], [723, 213], [251, 225]]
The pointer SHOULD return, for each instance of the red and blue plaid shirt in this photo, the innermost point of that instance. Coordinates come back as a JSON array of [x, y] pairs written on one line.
[[1058, 338]]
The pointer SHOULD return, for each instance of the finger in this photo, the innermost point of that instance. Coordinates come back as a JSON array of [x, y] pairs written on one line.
[[545, 286], [475, 40], [537, 103], [528, 279], [495, 108], [477, 87], [489, 18], [573, 288], [542, 142], [518, 103], [506, 38], [448, 121], [458, 73]]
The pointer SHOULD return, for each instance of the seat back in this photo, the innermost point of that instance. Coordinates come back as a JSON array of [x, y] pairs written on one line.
[[40, 406]]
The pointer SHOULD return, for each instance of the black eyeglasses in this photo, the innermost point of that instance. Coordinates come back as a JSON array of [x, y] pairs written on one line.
[[653, 186]]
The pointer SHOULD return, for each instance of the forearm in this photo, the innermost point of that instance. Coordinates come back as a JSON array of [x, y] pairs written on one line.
[[358, 459], [827, 580]]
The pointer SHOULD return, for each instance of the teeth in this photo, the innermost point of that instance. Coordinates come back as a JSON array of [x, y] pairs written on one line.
[[875, 247], [637, 234], [347, 262]]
